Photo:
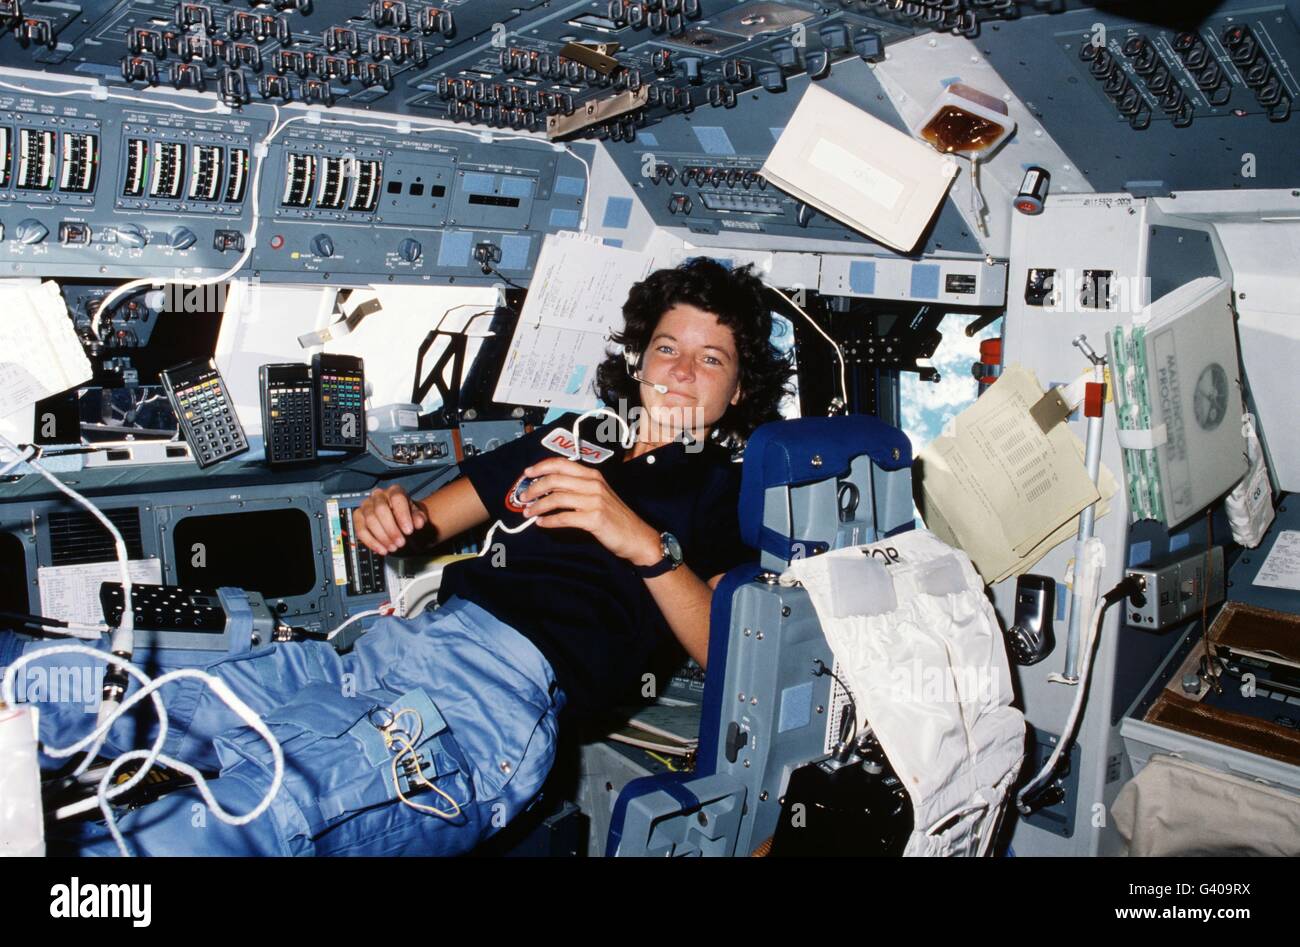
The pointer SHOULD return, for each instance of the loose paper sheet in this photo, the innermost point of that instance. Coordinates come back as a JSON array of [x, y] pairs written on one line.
[[39, 352], [997, 487], [575, 301], [1281, 569], [71, 593], [550, 366]]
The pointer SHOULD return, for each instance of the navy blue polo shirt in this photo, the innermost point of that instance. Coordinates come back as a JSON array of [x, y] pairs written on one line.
[[588, 611]]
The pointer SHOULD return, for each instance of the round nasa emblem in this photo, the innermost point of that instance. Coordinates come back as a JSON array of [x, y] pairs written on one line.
[[1211, 399], [514, 496]]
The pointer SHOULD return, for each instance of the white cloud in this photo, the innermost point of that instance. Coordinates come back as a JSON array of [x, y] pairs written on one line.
[[927, 406]]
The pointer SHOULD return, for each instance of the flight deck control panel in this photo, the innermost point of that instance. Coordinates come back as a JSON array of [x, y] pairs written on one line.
[[108, 189]]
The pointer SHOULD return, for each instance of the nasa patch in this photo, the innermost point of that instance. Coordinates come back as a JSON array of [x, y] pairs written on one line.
[[514, 496], [561, 442]]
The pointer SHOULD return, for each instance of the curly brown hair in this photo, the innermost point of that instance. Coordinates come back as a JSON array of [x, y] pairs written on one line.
[[736, 298]]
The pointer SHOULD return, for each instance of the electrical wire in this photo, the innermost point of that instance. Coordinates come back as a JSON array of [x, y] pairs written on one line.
[[978, 206], [36, 452], [665, 761], [127, 625], [56, 95], [509, 282], [122, 639], [839, 353], [116, 95], [845, 743], [215, 110], [414, 771], [1118, 593], [582, 221], [368, 613], [1211, 666], [260, 153], [627, 440], [53, 625], [150, 688]]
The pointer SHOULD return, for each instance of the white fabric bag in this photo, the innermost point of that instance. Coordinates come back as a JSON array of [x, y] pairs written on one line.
[[1174, 807], [918, 643]]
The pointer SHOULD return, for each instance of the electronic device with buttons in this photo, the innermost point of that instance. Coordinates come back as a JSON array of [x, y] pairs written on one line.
[[340, 385], [288, 412], [205, 411], [178, 617]]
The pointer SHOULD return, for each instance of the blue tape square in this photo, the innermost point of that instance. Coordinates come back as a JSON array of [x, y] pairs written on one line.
[[516, 186], [925, 281], [714, 139], [618, 211], [476, 182], [514, 251], [796, 707], [776, 133], [575, 380], [454, 249], [573, 187], [1139, 553], [647, 138], [1178, 541], [1062, 596], [612, 241], [562, 219], [862, 277]]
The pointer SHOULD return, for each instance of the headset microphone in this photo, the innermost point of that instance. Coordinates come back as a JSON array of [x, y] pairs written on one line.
[[631, 359]]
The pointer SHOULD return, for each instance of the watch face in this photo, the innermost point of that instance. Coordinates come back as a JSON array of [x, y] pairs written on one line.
[[672, 548], [1211, 399]]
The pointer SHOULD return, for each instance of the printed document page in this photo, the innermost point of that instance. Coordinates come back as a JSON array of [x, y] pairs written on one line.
[[997, 487], [575, 301], [39, 352], [71, 593]]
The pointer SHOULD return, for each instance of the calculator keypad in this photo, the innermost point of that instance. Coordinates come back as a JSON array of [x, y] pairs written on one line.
[[290, 436], [207, 417], [341, 395]]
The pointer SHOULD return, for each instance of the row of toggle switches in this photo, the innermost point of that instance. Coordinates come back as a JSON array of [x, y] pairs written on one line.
[[708, 176]]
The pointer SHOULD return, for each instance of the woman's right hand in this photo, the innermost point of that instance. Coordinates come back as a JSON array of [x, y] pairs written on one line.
[[386, 517]]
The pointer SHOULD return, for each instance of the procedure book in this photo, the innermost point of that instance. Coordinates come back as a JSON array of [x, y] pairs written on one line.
[[1178, 401]]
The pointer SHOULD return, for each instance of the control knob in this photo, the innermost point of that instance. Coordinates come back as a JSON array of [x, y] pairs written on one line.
[[322, 245], [131, 235], [183, 238], [410, 250], [31, 231]]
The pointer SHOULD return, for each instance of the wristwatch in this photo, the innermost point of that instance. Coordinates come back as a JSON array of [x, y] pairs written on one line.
[[672, 557]]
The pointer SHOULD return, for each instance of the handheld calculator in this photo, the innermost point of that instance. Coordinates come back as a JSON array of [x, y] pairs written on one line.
[[204, 410], [340, 399], [288, 418]]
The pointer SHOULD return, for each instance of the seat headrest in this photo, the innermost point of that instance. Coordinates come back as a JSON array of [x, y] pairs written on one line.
[[806, 450]]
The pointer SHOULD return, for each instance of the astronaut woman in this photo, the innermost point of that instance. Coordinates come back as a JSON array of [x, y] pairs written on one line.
[[589, 607]]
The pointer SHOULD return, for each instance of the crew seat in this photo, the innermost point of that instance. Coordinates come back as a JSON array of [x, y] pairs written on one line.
[[808, 485]]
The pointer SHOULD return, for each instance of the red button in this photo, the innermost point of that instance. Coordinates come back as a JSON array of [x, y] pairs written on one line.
[[277, 242]]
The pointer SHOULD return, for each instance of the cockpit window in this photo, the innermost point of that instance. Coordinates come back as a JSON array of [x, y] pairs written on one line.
[[928, 405]]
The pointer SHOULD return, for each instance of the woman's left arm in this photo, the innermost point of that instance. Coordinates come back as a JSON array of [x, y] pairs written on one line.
[[566, 494]]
